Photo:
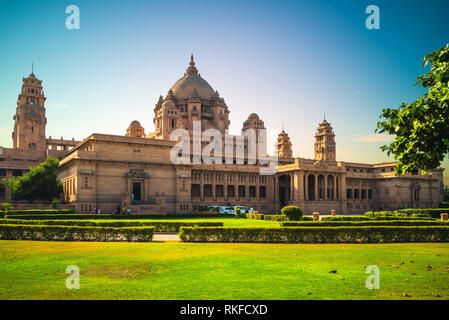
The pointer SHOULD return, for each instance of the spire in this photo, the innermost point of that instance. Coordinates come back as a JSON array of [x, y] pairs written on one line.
[[191, 69], [32, 69]]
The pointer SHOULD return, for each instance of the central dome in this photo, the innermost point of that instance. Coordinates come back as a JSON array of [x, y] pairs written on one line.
[[192, 84]]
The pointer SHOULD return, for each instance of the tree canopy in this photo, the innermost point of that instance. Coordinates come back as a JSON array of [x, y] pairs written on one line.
[[40, 183], [421, 128]]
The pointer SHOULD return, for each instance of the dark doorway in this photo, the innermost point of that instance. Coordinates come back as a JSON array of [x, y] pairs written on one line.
[[137, 191], [284, 190]]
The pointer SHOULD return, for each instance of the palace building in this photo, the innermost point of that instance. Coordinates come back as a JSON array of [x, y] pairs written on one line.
[[105, 170]]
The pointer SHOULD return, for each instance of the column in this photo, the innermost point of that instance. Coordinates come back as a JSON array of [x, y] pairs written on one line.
[[292, 186], [334, 191]]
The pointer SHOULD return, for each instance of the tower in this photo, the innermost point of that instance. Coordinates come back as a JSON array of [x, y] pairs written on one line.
[[30, 119], [284, 146], [325, 142]]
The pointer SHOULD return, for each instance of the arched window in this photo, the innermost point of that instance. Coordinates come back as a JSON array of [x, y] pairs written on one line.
[[320, 187]]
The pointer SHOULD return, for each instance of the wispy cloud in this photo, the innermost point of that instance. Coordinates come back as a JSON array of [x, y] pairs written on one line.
[[58, 105], [372, 138]]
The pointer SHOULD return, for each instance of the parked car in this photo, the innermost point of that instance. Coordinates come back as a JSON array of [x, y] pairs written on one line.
[[227, 210]]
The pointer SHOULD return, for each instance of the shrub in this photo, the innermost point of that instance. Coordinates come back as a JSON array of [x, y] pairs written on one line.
[[364, 223], [444, 204], [275, 217], [84, 216], [293, 213], [364, 218], [373, 234], [74, 233], [54, 204], [431, 212], [40, 211], [160, 226], [7, 207]]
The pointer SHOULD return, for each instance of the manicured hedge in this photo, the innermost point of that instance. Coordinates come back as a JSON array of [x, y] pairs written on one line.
[[74, 233], [365, 218], [105, 216], [444, 204], [37, 211], [317, 235], [364, 223], [275, 217], [160, 226], [434, 213]]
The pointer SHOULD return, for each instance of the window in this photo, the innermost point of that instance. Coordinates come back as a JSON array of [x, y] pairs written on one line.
[[86, 182], [252, 191], [2, 192], [263, 192], [195, 192], [356, 193], [17, 173], [2, 173], [242, 191], [349, 194], [370, 194], [172, 123]]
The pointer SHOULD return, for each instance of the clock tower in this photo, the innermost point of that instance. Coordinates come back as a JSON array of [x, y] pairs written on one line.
[[325, 142], [30, 120]]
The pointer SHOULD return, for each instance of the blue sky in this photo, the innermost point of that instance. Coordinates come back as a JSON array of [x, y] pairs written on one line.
[[288, 61]]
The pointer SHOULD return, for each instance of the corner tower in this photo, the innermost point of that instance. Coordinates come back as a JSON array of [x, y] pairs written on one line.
[[30, 120], [325, 142]]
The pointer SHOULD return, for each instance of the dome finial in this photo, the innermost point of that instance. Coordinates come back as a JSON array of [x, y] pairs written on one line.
[[192, 69]]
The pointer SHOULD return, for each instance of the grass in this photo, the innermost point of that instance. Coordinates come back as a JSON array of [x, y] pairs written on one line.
[[174, 270]]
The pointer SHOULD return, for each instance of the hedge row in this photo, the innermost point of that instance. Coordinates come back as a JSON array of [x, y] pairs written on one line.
[[103, 216], [74, 233], [38, 211], [160, 226], [444, 204], [273, 217], [364, 223], [317, 235], [433, 213], [365, 218]]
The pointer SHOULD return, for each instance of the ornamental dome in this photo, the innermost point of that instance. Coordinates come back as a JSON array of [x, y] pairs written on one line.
[[192, 84]]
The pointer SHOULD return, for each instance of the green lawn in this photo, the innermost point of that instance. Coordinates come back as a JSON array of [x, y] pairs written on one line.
[[174, 270]]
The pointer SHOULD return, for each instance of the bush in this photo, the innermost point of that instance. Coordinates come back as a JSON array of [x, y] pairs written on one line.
[[293, 213], [54, 204], [39, 211], [7, 207], [374, 234], [433, 213], [275, 217], [364, 223], [444, 204], [104, 216], [364, 218], [160, 226], [74, 233]]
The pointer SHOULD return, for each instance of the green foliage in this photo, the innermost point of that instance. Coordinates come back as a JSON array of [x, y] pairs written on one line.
[[446, 194], [54, 204], [421, 128], [372, 234], [56, 215], [7, 207], [444, 205], [40, 211], [40, 183], [275, 217], [160, 226], [74, 233], [293, 213], [364, 223], [365, 218]]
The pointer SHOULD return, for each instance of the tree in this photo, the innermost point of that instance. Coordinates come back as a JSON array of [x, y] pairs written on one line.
[[421, 128], [293, 213], [40, 183]]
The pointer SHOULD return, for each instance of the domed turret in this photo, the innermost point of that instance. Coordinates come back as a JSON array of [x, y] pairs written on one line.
[[135, 130]]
